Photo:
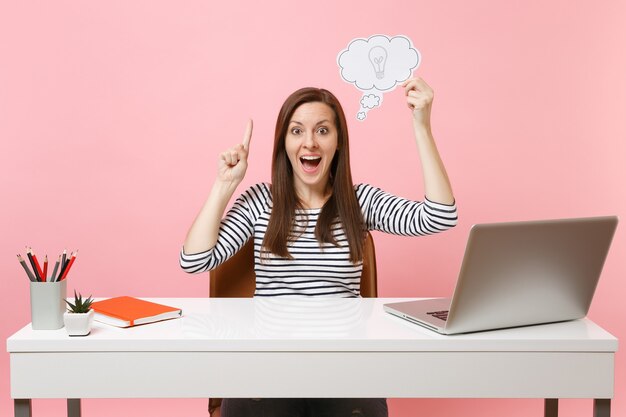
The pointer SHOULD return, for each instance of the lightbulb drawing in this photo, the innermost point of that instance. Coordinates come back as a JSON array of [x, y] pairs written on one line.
[[378, 58], [393, 60]]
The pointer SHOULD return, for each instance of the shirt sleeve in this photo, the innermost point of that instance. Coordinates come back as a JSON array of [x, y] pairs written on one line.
[[391, 214], [236, 228]]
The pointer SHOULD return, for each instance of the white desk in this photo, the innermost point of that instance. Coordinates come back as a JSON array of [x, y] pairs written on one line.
[[310, 348]]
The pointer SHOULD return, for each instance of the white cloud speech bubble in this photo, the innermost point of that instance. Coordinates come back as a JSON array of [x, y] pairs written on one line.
[[376, 66]]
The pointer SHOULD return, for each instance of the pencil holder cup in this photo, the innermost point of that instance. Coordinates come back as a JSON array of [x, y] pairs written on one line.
[[47, 304]]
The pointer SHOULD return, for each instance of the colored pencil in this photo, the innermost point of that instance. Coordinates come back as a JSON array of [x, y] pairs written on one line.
[[30, 274], [54, 271], [45, 268], [39, 271], [32, 263], [63, 268], [69, 265]]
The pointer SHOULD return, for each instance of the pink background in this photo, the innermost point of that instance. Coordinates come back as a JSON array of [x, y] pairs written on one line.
[[112, 115]]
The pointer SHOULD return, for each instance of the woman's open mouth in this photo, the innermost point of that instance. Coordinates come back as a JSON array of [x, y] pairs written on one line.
[[310, 163]]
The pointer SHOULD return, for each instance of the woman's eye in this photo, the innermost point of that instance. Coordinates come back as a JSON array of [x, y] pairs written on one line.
[[322, 130], [296, 131]]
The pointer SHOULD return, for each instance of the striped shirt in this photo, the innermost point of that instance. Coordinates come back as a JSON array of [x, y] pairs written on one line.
[[316, 269]]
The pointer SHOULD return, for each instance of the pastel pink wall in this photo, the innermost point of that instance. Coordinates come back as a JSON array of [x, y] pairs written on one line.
[[112, 114]]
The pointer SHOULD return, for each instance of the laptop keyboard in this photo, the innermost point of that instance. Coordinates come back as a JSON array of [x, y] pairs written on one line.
[[441, 315]]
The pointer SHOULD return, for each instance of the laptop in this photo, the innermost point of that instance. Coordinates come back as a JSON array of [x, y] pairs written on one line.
[[519, 274]]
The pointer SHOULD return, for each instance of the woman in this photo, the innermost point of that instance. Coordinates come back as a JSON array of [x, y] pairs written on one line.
[[308, 225]]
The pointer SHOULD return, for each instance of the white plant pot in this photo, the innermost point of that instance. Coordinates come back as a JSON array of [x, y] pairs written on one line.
[[78, 324]]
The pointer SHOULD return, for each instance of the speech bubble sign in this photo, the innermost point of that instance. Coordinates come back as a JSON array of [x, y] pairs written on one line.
[[376, 65]]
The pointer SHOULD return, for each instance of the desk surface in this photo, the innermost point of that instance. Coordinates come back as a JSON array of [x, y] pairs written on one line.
[[311, 348], [263, 324]]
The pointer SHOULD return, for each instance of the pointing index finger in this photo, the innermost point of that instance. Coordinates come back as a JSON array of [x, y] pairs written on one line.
[[247, 135]]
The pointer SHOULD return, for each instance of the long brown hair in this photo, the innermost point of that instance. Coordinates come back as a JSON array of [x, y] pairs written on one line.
[[342, 203]]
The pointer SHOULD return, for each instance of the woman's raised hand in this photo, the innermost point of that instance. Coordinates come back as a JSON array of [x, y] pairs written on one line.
[[233, 163], [231, 169], [419, 98]]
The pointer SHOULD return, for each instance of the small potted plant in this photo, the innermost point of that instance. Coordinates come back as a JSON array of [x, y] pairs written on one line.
[[79, 316]]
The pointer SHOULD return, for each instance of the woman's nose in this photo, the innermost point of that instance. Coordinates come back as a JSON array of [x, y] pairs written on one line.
[[310, 141]]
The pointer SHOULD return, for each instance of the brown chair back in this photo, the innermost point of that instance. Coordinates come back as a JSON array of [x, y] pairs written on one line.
[[236, 277]]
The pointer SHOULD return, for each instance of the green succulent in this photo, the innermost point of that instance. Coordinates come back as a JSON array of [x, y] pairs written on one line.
[[80, 305]]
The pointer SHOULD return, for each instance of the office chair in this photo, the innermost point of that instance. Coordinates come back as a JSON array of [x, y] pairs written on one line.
[[236, 278]]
